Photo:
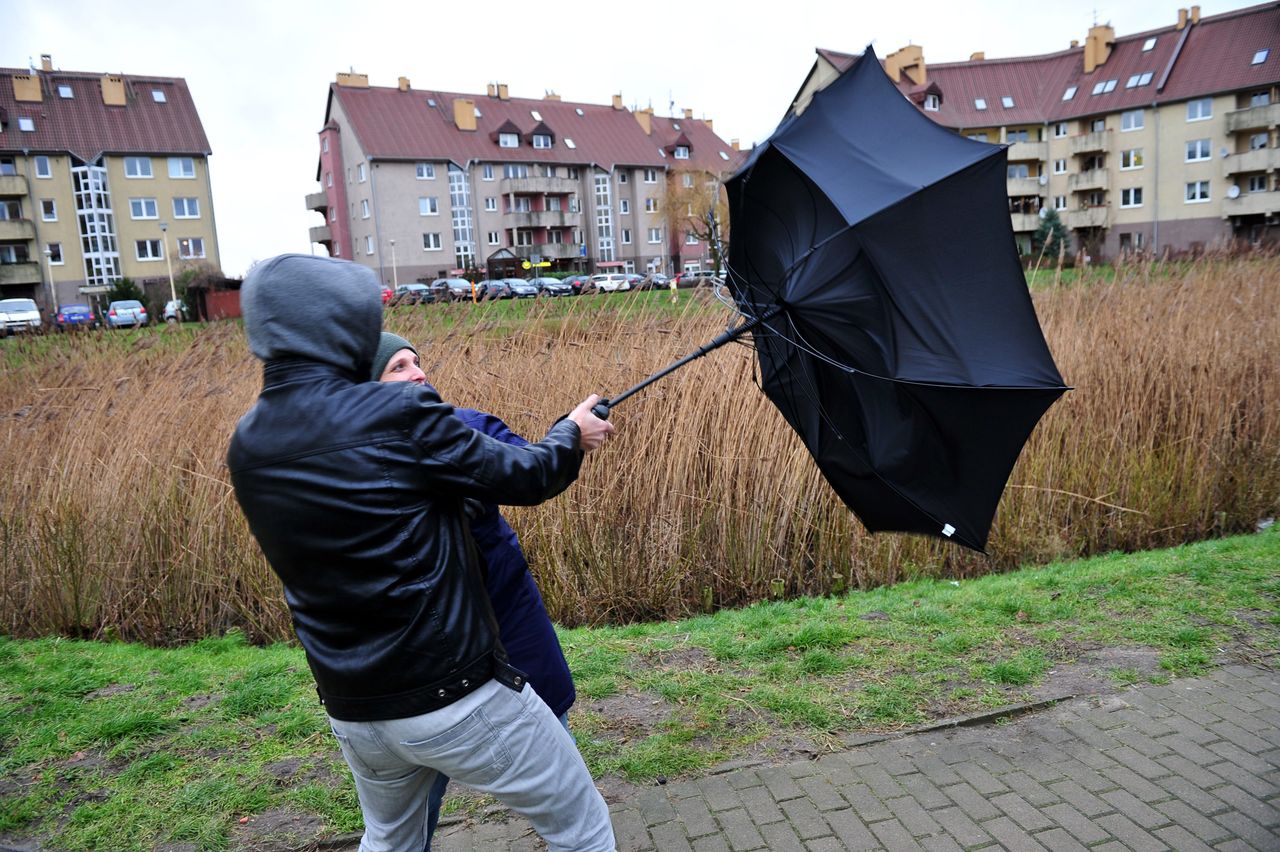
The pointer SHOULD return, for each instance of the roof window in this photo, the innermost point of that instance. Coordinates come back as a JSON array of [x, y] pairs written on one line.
[[579, 111], [1261, 56], [979, 103], [431, 102], [724, 156], [64, 91], [536, 116], [1069, 93], [1137, 80], [1103, 86], [158, 96], [27, 125], [569, 143], [1148, 44], [478, 115], [1007, 102]]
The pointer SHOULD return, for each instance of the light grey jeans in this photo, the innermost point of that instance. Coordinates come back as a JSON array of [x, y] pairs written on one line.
[[505, 743]]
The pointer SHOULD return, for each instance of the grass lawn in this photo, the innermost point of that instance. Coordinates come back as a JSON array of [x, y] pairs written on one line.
[[116, 746]]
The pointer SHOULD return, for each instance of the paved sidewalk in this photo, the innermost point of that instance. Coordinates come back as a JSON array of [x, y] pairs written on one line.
[[1190, 766]]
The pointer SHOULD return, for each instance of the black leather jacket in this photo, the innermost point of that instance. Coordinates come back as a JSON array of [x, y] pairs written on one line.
[[355, 490]]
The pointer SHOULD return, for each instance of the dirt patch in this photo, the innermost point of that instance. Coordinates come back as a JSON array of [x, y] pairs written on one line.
[[1091, 672], [113, 689], [629, 715], [198, 702], [297, 771], [279, 830]]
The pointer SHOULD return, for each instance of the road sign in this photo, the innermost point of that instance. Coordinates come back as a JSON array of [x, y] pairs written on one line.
[[536, 259], [528, 265]]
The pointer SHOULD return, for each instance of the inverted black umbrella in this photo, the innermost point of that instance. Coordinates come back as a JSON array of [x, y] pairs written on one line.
[[873, 261]]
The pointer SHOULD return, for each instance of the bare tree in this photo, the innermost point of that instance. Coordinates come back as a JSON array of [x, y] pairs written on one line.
[[695, 203]]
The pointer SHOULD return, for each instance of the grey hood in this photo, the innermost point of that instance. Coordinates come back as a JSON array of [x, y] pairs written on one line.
[[316, 308]]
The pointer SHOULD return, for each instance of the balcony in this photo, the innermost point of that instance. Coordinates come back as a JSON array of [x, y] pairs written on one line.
[[321, 234], [13, 185], [318, 201], [541, 219], [17, 229], [539, 186], [1024, 186], [1090, 217], [1089, 143], [1261, 160], [19, 273], [1025, 221], [1253, 118], [549, 251], [1090, 180], [1252, 204], [1019, 151]]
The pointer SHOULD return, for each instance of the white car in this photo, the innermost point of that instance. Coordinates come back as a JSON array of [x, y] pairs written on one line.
[[18, 315], [608, 283]]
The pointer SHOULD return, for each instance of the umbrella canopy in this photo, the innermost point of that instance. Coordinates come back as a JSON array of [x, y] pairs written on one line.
[[904, 349]]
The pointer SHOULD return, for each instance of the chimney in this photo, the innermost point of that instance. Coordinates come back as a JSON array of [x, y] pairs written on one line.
[[464, 113], [352, 80], [26, 87], [113, 90], [707, 122], [1182, 19], [645, 117], [688, 114], [977, 57], [493, 90], [1097, 47], [551, 96], [46, 61], [735, 144], [1195, 14], [617, 101], [404, 84], [502, 92], [1075, 42], [910, 61]]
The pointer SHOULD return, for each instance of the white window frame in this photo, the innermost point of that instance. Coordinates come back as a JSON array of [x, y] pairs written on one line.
[[1069, 93], [424, 171], [1260, 56], [622, 176], [691, 239], [1060, 166], [650, 175], [156, 246], [541, 141], [655, 236], [190, 208], [1059, 202], [486, 171], [133, 168], [979, 103], [624, 206], [51, 213], [43, 168], [1261, 187], [324, 145], [508, 140], [1006, 101], [428, 205], [56, 257], [368, 245], [1194, 190], [178, 168], [187, 246], [1202, 151], [136, 204], [681, 152], [361, 174], [364, 208], [1131, 197], [626, 236], [1097, 125], [26, 124], [495, 238], [1132, 119], [687, 180], [65, 92], [328, 178], [491, 203], [432, 242], [1060, 130], [651, 205], [1200, 109], [1131, 154], [932, 103], [158, 96]]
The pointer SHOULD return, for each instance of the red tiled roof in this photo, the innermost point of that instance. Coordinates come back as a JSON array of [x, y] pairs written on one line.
[[87, 128], [1215, 57], [394, 125]]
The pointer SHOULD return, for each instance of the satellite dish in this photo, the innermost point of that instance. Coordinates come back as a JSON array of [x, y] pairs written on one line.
[[1043, 212], [1224, 152], [1044, 180], [1233, 191]]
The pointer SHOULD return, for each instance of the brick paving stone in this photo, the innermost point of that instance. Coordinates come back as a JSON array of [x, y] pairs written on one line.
[[941, 843], [1243, 779], [1263, 813], [1177, 837], [1123, 829], [971, 801], [836, 771], [1059, 840], [1139, 763], [1083, 801], [1194, 773], [1183, 746], [936, 770], [994, 763], [1140, 812], [1189, 794], [866, 803], [1010, 836], [1237, 714], [711, 843], [1111, 846], [629, 830], [1246, 760], [683, 790], [1079, 826], [718, 794], [1028, 788], [696, 817], [1086, 776], [1092, 736], [958, 824], [1129, 780], [740, 832], [1018, 809], [859, 757], [743, 779], [1193, 821], [852, 832], [924, 791], [805, 819], [822, 793], [670, 837], [980, 779], [1039, 768], [913, 817], [893, 835], [827, 844], [1249, 831], [1237, 845], [890, 758], [654, 806], [779, 837], [802, 769], [881, 783], [1250, 743], [781, 785], [760, 805], [1193, 711]]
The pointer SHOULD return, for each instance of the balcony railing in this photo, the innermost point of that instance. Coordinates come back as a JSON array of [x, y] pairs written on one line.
[[1025, 221], [1090, 217], [539, 186], [541, 219], [20, 273], [13, 185], [1088, 143], [1261, 160], [1090, 180], [1253, 118], [549, 251], [1252, 204], [17, 229], [1019, 151], [1024, 186], [321, 234], [318, 201]]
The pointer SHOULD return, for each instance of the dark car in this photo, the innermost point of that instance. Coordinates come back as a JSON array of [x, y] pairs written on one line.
[[411, 294], [75, 316], [701, 278], [493, 289], [455, 290], [522, 289], [576, 282], [553, 286]]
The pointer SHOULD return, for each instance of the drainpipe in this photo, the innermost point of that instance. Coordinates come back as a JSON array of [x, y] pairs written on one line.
[[1155, 195], [377, 217]]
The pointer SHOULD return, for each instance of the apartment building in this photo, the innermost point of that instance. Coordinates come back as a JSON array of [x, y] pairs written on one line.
[[101, 177], [421, 184], [1161, 140]]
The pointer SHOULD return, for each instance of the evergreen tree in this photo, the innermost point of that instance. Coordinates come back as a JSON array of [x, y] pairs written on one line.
[[1052, 236]]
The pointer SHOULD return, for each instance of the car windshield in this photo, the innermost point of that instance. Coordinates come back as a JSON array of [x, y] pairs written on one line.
[[76, 308], [17, 305], [132, 303]]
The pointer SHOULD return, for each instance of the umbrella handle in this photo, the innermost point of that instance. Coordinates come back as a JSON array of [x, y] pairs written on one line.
[[601, 409]]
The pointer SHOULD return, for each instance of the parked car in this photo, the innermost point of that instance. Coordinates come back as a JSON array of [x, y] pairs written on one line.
[[522, 289], [704, 277], [126, 313], [453, 289], [494, 288], [656, 281], [18, 315], [387, 293], [74, 316], [553, 286], [634, 280], [175, 311], [576, 282], [610, 282], [411, 294]]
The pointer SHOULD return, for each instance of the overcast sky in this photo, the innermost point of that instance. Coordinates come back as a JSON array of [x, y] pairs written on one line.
[[259, 71]]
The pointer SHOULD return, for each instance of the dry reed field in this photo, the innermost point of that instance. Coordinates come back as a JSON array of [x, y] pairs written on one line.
[[117, 519]]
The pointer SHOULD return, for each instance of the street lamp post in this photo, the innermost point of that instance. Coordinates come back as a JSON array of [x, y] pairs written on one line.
[[53, 295], [168, 264], [395, 278]]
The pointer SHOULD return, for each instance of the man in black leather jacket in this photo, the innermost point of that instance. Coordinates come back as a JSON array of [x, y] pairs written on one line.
[[354, 490]]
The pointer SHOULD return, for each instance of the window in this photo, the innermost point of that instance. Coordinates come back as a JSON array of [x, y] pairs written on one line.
[[10, 210], [650, 175], [1097, 198], [324, 145], [569, 143], [428, 206], [368, 245], [1200, 109], [1258, 183], [1197, 150], [1060, 167], [1131, 197], [190, 247], [1258, 99], [626, 236], [541, 140], [1006, 102], [333, 214], [682, 152], [932, 103], [495, 239], [328, 178], [978, 137], [425, 171], [1148, 44], [42, 168], [486, 172], [691, 239], [651, 205], [364, 208], [64, 91], [137, 167], [1097, 125], [1018, 170], [979, 103], [622, 177], [431, 242], [1131, 159], [7, 166], [1137, 80], [655, 235], [182, 167], [512, 170], [1069, 93], [186, 208], [688, 180], [624, 206], [1131, 120], [491, 203], [1197, 191], [1022, 135], [1258, 141], [1261, 56], [508, 140], [1060, 130], [554, 203], [524, 238], [573, 170], [55, 253], [158, 96], [26, 125], [1059, 202], [48, 210], [521, 204], [148, 249], [142, 208]]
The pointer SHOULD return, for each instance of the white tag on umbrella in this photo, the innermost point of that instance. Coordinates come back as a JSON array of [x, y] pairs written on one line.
[[947, 530]]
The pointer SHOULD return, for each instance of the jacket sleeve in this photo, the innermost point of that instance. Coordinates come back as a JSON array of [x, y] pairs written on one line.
[[454, 458], [491, 425]]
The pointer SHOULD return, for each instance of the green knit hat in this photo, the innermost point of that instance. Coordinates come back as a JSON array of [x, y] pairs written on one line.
[[388, 345]]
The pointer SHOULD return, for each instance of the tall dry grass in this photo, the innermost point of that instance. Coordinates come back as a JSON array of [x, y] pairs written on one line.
[[116, 518]]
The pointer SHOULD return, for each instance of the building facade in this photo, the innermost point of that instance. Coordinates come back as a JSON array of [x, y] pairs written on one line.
[[420, 184], [1162, 140], [101, 177]]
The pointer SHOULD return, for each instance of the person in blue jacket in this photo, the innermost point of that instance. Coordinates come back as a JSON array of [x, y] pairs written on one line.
[[524, 626]]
